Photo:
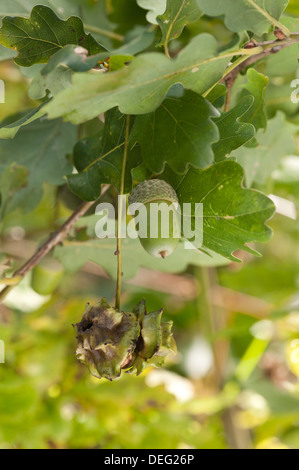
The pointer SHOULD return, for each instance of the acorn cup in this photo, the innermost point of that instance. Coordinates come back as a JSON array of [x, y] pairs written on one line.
[[110, 341], [163, 215]]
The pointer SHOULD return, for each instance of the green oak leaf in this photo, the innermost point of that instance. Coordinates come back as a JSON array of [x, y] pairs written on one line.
[[37, 38], [141, 86], [56, 80], [13, 178], [140, 173], [94, 14], [232, 215], [179, 132], [233, 132], [77, 59], [41, 147], [256, 86], [139, 40], [154, 7], [177, 15], [56, 75], [73, 255], [8, 131], [73, 57], [23, 7], [249, 15], [273, 144], [99, 159], [217, 95]]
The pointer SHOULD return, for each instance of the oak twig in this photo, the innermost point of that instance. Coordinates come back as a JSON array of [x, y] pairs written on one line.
[[269, 47], [53, 240], [120, 216]]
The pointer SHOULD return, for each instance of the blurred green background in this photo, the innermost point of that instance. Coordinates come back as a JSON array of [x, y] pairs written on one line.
[[233, 383]]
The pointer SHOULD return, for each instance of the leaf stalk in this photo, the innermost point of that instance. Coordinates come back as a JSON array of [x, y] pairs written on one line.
[[120, 216]]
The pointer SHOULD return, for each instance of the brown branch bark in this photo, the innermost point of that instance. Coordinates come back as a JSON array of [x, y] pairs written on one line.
[[53, 240], [270, 47]]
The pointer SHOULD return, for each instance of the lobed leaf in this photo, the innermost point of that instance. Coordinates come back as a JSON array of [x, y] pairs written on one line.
[[249, 15], [233, 132], [177, 15], [179, 132], [256, 86], [73, 255], [154, 7], [8, 131], [141, 86], [13, 178], [41, 147], [93, 13], [232, 215], [99, 159], [37, 38]]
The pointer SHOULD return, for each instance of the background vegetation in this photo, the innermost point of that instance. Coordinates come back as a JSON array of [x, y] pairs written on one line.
[[234, 382]]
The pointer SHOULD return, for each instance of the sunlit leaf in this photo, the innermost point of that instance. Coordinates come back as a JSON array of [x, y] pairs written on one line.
[[154, 7]]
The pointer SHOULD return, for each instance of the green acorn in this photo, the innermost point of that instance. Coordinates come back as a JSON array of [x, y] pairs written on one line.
[[164, 214], [110, 341]]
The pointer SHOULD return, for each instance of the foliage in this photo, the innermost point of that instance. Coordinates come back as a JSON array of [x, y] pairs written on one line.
[[100, 96], [43, 34]]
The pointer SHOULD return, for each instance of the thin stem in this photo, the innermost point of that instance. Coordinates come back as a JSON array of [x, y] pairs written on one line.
[[166, 50], [202, 302], [270, 18], [171, 27], [46, 247], [104, 32], [250, 56], [227, 71], [210, 322], [120, 215], [206, 310]]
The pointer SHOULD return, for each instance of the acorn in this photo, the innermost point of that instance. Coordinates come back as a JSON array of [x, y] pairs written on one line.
[[112, 341], [159, 217]]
